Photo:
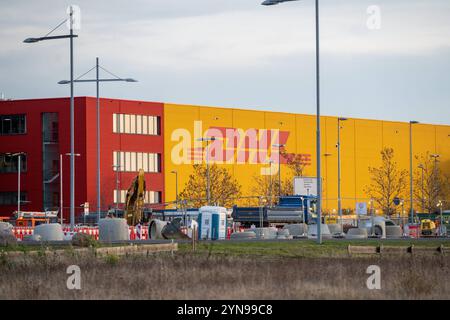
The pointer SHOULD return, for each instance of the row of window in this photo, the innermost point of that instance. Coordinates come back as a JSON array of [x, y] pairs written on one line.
[[136, 124], [13, 124], [122, 123], [10, 164], [134, 161], [124, 161], [10, 198], [150, 196]]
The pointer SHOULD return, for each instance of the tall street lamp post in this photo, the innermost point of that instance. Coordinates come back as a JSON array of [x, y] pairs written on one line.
[[411, 170], [97, 80], [72, 115], [72, 174], [61, 203], [338, 145], [19, 167], [318, 153]]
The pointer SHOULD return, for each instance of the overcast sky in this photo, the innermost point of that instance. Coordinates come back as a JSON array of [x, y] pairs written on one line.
[[237, 53]]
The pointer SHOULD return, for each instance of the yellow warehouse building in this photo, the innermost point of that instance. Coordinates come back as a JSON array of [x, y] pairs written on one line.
[[361, 143]]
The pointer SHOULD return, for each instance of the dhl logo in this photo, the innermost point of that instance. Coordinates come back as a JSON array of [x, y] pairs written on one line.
[[223, 145]]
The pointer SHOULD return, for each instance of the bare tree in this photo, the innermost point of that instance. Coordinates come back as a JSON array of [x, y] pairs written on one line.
[[224, 188], [429, 183], [266, 186], [388, 182], [295, 162]]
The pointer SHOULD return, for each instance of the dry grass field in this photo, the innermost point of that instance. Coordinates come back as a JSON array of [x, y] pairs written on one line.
[[204, 275]]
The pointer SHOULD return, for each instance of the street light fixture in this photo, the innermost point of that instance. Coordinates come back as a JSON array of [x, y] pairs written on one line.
[[97, 80], [70, 36], [207, 166], [411, 170], [318, 153], [435, 157], [273, 2]]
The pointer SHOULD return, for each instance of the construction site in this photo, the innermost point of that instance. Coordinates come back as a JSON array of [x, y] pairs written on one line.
[[158, 186], [111, 198], [229, 174]]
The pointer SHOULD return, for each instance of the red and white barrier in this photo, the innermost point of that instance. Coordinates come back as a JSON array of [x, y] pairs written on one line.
[[20, 232], [136, 233]]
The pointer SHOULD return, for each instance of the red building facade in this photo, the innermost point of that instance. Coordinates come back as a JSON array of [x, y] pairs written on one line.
[[131, 137]]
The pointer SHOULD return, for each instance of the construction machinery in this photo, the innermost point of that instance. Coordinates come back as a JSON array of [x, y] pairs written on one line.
[[31, 218], [290, 209], [134, 200], [427, 228]]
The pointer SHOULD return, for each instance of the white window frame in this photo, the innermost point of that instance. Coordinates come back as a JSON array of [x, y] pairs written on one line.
[[114, 122], [132, 123], [133, 162], [138, 124]]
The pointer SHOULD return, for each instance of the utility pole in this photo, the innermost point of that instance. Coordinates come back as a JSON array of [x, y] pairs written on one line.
[[97, 81], [338, 145], [72, 114], [411, 198], [72, 131], [18, 184], [61, 187], [98, 139], [318, 153]]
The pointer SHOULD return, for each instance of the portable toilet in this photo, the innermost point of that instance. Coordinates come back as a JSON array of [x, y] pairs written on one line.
[[212, 223]]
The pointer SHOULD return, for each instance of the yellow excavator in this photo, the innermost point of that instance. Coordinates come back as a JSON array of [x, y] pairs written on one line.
[[134, 200]]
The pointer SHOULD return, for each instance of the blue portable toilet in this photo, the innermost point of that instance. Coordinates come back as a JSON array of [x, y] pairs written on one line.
[[212, 223]]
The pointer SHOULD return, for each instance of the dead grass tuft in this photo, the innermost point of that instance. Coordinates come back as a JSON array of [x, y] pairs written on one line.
[[210, 276]]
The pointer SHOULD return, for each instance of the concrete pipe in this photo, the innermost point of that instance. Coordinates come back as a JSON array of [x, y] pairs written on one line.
[[6, 228], [356, 233], [297, 229], [393, 232], [266, 233], [32, 237], [49, 232], [335, 228], [6, 234], [283, 232], [243, 235], [155, 229], [312, 231], [113, 229]]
